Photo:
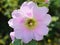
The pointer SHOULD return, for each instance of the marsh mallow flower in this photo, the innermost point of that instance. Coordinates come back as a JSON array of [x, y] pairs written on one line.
[[30, 22]]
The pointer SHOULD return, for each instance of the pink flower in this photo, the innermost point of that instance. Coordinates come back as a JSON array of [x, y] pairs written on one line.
[[30, 22]]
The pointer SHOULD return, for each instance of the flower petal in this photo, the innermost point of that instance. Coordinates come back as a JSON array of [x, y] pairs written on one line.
[[37, 36], [27, 36], [43, 10], [15, 22], [41, 30], [46, 19], [10, 22], [12, 35], [24, 4], [42, 16], [39, 12], [16, 13], [26, 11], [23, 33], [18, 33], [31, 4]]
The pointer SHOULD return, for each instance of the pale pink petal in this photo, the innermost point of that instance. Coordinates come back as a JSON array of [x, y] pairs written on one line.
[[37, 37], [24, 4], [15, 22], [16, 13], [46, 19], [26, 11], [43, 10], [27, 36], [41, 30], [42, 16], [26, 8], [39, 12], [10, 22], [23, 33], [18, 33], [31, 4], [12, 35]]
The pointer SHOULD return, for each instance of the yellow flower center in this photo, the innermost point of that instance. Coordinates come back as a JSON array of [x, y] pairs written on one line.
[[30, 23]]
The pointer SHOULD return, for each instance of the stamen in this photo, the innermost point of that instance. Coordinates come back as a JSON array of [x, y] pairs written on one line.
[[30, 23]]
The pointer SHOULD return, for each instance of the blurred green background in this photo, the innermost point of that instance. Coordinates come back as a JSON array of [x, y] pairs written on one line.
[[6, 8]]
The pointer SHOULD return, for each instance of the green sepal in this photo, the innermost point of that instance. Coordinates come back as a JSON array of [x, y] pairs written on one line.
[[33, 42], [17, 42]]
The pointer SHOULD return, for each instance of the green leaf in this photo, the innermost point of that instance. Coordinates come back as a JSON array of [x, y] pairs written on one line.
[[33, 42], [11, 44], [43, 4], [55, 18], [39, 0], [17, 42], [57, 3]]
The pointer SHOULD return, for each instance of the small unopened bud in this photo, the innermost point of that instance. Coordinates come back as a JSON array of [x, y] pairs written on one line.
[[46, 1]]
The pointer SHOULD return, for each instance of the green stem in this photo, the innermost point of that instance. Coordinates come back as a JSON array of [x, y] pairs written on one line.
[[21, 42]]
